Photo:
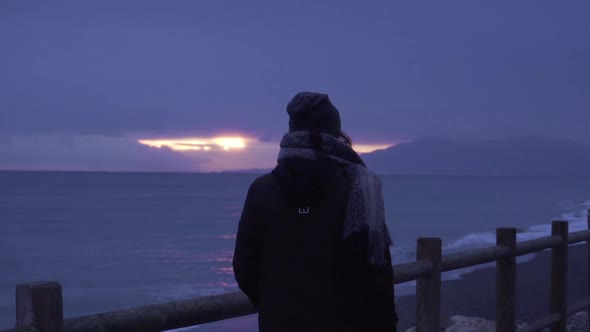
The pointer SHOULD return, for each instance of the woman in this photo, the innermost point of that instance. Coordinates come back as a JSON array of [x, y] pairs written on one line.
[[312, 249]]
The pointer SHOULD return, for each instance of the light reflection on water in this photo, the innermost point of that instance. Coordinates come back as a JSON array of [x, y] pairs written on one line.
[[227, 237], [122, 240]]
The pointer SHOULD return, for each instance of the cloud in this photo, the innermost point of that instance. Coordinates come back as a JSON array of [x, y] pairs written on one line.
[[90, 152], [446, 70], [113, 153], [223, 153]]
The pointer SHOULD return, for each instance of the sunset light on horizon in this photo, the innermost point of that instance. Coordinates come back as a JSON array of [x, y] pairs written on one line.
[[368, 148], [228, 143], [198, 144], [234, 152]]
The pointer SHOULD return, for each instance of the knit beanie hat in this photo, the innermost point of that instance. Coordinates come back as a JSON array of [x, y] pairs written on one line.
[[313, 112]]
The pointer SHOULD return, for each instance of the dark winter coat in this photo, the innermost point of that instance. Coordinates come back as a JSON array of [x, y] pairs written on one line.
[[291, 261]]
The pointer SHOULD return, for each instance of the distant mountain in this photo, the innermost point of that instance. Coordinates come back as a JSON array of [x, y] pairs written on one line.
[[515, 156]]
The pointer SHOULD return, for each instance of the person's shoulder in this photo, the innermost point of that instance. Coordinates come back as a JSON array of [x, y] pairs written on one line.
[[263, 184]]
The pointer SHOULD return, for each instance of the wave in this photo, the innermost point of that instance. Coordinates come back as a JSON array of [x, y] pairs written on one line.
[[576, 214], [577, 217]]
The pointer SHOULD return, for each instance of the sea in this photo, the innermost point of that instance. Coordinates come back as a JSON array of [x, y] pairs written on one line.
[[120, 240]]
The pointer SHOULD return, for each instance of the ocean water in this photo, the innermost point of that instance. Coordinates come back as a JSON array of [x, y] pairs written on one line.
[[118, 240]]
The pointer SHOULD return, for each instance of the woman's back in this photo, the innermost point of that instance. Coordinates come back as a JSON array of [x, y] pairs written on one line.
[[312, 252]]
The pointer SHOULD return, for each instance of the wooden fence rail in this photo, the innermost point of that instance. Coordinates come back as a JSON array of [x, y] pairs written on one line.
[[40, 308]]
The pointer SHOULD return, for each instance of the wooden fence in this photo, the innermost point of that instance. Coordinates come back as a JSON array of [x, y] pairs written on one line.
[[40, 308]]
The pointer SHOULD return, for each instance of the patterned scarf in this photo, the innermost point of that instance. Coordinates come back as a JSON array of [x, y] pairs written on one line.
[[365, 208]]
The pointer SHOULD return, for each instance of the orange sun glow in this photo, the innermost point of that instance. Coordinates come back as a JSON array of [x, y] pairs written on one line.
[[366, 148], [228, 143], [198, 144]]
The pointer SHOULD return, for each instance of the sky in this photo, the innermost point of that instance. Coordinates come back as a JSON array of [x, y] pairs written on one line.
[[81, 82]]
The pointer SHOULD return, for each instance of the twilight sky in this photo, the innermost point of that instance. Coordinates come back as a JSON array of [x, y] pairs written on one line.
[[81, 81]]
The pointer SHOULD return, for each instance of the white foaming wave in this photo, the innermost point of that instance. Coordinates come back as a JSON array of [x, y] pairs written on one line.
[[472, 240], [401, 255], [576, 216]]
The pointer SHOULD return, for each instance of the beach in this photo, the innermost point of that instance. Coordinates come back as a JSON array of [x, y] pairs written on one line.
[[474, 294]]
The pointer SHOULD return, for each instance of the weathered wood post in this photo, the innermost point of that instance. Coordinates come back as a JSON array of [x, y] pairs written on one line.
[[428, 287], [506, 281], [559, 275], [40, 304]]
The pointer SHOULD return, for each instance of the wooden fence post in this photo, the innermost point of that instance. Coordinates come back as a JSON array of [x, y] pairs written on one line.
[[428, 288], [506, 282], [559, 268], [40, 304]]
